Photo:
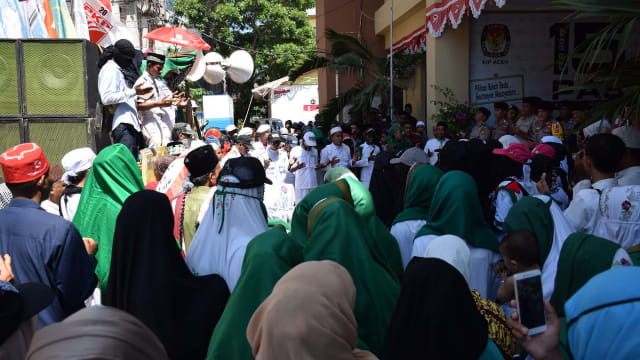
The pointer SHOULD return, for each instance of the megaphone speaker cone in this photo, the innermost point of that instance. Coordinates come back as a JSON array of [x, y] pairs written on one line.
[[240, 67]]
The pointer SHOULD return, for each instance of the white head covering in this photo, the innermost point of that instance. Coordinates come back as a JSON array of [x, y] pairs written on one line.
[[221, 240], [454, 251], [245, 131], [230, 128], [505, 140], [630, 136], [263, 129], [551, 139], [76, 161], [335, 130]]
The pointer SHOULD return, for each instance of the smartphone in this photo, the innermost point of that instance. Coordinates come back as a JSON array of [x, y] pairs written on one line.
[[528, 289]]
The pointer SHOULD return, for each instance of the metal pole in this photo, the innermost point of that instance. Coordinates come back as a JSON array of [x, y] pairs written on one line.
[[337, 92], [391, 63]]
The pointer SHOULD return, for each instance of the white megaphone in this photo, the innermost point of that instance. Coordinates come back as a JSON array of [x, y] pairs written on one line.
[[239, 66]]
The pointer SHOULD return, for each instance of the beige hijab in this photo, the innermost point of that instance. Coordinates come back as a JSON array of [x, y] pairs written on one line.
[[309, 315], [97, 332]]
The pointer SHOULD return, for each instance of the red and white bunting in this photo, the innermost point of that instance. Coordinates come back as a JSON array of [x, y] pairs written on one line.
[[414, 42], [453, 10]]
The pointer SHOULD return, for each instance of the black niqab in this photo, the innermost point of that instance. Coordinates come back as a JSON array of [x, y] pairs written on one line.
[[435, 317], [150, 280]]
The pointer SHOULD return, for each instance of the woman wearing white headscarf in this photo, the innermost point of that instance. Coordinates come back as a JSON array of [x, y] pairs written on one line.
[[236, 216], [76, 164], [97, 332], [456, 253]]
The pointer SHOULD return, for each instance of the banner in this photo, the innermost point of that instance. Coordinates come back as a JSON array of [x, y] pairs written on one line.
[[62, 18], [34, 19], [12, 25], [105, 28], [79, 19]]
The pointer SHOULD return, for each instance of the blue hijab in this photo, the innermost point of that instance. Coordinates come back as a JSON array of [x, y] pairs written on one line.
[[603, 317]]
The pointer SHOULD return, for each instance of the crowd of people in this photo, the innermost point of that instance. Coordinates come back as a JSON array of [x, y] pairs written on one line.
[[353, 241]]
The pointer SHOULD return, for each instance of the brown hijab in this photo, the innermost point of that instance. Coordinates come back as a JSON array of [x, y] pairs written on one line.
[[97, 332], [309, 315]]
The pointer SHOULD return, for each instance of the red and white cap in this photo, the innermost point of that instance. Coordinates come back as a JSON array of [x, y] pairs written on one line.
[[23, 163]]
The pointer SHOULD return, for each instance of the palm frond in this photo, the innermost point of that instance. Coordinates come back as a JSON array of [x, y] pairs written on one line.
[[307, 64]]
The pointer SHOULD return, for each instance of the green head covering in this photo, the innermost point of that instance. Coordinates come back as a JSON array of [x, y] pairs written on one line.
[[113, 177], [421, 185], [268, 257], [180, 62], [384, 247], [338, 233], [455, 210], [394, 128], [532, 214], [582, 257], [338, 173], [320, 138]]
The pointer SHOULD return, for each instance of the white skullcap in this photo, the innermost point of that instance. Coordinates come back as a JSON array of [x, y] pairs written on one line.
[[263, 128], [76, 161], [551, 139], [629, 135], [246, 131], [335, 130], [230, 128], [420, 123]]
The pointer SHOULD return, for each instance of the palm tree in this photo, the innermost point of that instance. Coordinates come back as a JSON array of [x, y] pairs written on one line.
[[623, 73], [351, 56]]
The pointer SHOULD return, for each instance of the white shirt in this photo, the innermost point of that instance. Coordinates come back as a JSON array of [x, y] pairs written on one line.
[[306, 177], [279, 162], [342, 152], [365, 163], [584, 211], [114, 91], [619, 216], [259, 152], [433, 145], [69, 205], [50, 207], [629, 176], [405, 232], [157, 120]]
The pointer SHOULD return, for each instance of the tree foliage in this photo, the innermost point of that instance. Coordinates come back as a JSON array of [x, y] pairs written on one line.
[[623, 72], [354, 57], [274, 31]]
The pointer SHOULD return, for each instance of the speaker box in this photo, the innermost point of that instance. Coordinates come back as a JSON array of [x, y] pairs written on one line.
[[48, 94]]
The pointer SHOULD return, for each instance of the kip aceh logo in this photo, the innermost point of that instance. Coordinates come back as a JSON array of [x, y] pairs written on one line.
[[495, 40]]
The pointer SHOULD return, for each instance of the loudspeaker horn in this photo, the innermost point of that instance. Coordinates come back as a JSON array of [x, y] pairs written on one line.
[[198, 67], [214, 72], [240, 68]]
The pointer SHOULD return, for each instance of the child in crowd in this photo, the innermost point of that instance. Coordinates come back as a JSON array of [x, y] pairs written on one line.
[[437, 143], [519, 250]]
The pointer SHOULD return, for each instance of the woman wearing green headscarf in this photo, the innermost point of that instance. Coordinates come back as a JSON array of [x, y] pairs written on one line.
[[421, 185], [114, 176], [382, 244], [338, 233], [455, 210], [269, 256], [583, 256], [544, 218], [396, 141]]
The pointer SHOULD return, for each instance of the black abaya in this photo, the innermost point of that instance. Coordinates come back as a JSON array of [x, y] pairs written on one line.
[[150, 280]]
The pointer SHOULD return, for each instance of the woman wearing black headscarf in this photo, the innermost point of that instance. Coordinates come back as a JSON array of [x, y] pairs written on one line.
[[436, 317], [149, 279]]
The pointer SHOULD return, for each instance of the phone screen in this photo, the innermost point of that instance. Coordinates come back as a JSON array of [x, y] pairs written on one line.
[[531, 307]]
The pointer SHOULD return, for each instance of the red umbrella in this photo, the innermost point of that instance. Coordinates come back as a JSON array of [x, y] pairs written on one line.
[[178, 36]]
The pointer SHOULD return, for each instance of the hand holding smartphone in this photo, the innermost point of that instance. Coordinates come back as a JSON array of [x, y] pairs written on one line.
[[529, 298]]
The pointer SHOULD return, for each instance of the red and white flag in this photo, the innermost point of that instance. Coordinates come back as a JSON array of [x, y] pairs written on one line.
[[105, 28]]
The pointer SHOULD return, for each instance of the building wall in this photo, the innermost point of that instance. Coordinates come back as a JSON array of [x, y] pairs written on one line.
[[355, 18]]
